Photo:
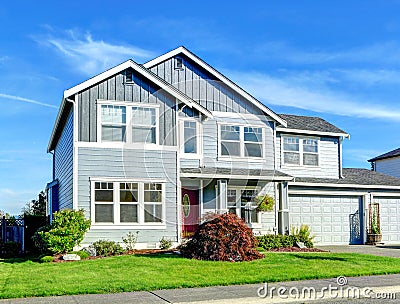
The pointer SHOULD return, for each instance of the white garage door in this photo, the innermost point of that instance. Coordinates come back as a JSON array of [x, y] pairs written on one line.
[[333, 219], [390, 218]]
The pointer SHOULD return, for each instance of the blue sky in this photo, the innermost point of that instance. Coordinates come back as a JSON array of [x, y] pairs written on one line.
[[339, 60]]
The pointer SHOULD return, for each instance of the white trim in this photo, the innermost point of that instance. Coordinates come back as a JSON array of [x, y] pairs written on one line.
[[218, 75], [127, 103], [343, 185], [308, 132], [300, 152], [232, 176], [324, 192], [75, 161], [128, 226], [199, 138], [378, 195], [128, 146]]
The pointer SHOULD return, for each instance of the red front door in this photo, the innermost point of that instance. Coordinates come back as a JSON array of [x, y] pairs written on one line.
[[190, 212]]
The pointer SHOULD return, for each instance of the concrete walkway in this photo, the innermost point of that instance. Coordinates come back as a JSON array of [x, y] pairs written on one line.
[[381, 250], [370, 289]]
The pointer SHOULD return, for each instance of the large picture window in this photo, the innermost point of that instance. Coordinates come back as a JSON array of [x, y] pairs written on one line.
[[128, 203], [300, 151], [241, 141]]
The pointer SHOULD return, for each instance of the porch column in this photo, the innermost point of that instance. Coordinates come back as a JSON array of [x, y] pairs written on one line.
[[222, 197], [283, 210]]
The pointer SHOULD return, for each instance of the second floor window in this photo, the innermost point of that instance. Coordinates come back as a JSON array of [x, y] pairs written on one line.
[[113, 123], [190, 136], [300, 151], [144, 125], [241, 141]]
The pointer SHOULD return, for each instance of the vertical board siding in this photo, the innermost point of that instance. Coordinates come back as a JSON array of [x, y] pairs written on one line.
[[130, 165], [203, 87], [328, 160], [390, 166], [63, 160], [115, 89]]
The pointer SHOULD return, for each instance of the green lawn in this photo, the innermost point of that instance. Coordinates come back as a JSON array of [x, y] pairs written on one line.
[[131, 273]]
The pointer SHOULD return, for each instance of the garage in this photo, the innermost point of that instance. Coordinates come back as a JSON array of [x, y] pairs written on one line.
[[332, 219], [389, 218]]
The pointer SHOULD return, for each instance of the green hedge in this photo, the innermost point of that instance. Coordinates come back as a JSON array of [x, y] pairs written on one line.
[[271, 241]]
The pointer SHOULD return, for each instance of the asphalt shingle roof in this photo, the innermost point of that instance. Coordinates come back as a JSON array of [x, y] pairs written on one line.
[[309, 123], [235, 171], [355, 176], [390, 154]]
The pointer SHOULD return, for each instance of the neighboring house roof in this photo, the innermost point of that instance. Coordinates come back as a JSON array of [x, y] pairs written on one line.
[[390, 154], [167, 87], [310, 125], [352, 177], [232, 173], [218, 75]]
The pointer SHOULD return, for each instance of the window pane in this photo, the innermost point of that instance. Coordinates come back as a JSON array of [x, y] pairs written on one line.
[[128, 196], [153, 193], [143, 116], [310, 145], [253, 134], [291, 144], [144, 134], [230, 148], [310, 159], [113, 133], [113, 114], [190, 137], [291, 158], [253, 150], [248, 196], [128, 213], [104, 213], [253, 215], [230, 133], [152, 213], [103, 195]]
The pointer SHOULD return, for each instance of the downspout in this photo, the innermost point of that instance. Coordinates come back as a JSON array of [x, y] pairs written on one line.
[[340, 157], [54, 162]]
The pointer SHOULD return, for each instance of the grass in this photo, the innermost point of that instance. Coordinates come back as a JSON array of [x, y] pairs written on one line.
[[26, 278]]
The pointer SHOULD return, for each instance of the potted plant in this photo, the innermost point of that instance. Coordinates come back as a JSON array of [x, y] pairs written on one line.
[[264, 203], [374, 235]]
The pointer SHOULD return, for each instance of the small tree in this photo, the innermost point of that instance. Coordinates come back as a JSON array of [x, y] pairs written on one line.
[[224, 238], [37, 206], [66, 231]]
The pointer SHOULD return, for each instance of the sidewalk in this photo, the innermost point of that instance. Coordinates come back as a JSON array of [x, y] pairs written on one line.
[[387, 285]]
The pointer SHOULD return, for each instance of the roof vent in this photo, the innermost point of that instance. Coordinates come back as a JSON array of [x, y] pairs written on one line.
[[178, 63], [129, 75]]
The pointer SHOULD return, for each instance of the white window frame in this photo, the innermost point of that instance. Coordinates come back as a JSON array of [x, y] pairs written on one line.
[[241, 142], [128, 133], [239, 207], [99, 113], [199, 137], [116, 205], [300, 152]]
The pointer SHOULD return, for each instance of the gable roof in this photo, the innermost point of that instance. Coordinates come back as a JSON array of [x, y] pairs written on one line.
[[218, 75], [310, 125], [115, 70], [353, 177], [393, 153]]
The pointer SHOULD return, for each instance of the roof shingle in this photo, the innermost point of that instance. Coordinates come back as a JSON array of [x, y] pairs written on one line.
[[309, 123], [394, 153]]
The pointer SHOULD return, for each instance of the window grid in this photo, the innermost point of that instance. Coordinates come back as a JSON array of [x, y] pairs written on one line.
[[113, 123], [241, 141], [241, 202], [300, 151]]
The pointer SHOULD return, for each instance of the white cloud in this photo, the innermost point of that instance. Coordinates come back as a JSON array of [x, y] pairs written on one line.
[[92, 56], [298, 94], [32, 101]]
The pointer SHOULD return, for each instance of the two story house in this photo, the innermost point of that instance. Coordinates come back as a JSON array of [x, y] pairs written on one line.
[[156, 147]]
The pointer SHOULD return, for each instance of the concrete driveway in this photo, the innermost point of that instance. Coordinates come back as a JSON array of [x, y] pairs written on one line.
[[381, 250]]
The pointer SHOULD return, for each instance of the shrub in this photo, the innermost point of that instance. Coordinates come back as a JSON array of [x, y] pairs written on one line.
[[300, 234], [10, 249], [66, 231], [304, 235], [82, 254], [165, 243], [224, 238], [130, 240], [46, 259], [107, 248], [90, 250]]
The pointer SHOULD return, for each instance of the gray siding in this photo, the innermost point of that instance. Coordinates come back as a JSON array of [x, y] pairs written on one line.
[[115, 88], [63, 164], [328, 160], [390, 166], [129, 164], [200, 85]]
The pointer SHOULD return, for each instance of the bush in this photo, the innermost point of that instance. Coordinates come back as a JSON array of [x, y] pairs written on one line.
[[304, 235], [272, 241], [90, 250], [165, 243], [107, 248], [82, 254], [46, 259], [130, 240], [10, 249], [224, 238], [66, 231]]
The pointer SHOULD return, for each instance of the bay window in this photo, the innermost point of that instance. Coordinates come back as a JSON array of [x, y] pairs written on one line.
[[300, 151], [127, 203]]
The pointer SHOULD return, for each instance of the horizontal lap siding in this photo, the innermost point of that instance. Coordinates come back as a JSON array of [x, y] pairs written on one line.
[[115, 89], [389, 166], [63, 169], [129, 164], [328, 160]]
